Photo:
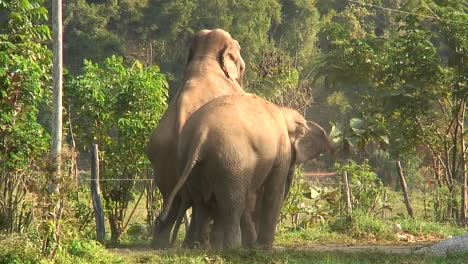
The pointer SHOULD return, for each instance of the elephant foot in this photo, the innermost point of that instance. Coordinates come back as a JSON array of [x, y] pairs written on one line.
[[159, 245]]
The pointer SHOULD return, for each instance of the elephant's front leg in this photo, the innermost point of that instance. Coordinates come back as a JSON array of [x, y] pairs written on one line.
[[198, 234], [273, 194]]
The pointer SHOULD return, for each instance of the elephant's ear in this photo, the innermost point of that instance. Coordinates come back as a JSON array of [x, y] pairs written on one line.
[[314, 142], [228, 61]]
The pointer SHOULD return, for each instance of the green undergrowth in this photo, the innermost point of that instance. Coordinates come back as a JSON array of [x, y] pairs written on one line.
[[420, 227], [362, 228], [20, 249], [288, 256]]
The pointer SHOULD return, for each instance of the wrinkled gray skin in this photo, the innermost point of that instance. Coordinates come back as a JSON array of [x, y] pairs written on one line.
[[234, 148], [214, 68]]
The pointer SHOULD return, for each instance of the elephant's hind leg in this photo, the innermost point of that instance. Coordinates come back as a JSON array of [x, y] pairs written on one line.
[[230, 208], [249, 232], [273, 194]]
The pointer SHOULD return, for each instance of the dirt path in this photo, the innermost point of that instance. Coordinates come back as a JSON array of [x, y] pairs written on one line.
[[350, 248], [346, 248]]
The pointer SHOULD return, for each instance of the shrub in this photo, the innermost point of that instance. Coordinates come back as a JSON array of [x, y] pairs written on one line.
[[83, 251], [361, 225], [18, 249], [138, 232]]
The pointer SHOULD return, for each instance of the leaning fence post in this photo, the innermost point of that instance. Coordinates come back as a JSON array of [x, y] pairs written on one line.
[[404, 188], [96, 194], [347, 193]]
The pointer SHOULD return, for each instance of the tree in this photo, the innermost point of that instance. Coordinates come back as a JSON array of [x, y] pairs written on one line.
[[24, 74], [172, 23], [116, 107], [409, 83], [87, 32]]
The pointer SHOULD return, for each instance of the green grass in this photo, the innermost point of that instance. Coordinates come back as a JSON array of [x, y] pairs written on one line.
[[288, 256], [316, 234], [425, 228]]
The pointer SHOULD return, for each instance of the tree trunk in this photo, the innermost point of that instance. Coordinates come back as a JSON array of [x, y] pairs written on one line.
[[405, 190], [116, 227], [56, 144], [96, 194], [464, 172]]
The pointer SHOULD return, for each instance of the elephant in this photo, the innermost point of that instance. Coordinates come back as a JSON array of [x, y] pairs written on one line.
[[235, 148], [214, 67]]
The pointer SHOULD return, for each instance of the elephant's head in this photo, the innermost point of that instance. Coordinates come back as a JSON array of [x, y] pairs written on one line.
[[308, 139], [314, 142], [220, 46]]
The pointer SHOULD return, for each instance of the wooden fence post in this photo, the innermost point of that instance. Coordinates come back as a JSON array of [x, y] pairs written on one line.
[[384, 206], [347, 193], [405, 189], [96, 194]]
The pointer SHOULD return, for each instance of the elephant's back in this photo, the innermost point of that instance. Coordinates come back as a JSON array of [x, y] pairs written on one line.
[[241, 103], [239, 121]]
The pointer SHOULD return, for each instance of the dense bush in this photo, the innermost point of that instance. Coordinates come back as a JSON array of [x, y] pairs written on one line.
[[18, 249], [116, 106], [78, 251], [361, 225]]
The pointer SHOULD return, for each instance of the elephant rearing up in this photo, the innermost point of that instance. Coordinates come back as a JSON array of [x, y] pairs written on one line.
[[235, 147], [214, 68]]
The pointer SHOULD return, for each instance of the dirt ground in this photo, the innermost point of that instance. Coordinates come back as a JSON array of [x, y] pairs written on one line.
[[349, 248], [345, 248]]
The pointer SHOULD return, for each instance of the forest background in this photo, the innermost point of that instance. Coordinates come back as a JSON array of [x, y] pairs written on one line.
[[389, 85]]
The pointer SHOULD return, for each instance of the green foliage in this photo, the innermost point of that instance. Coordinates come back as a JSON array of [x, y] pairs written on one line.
[[296, 32], [18, 249], [79, 216], [172, 23], [278, 81], [84, 252], [398, 76], [24, 74], [359, 133], [24, 68], [306, 206], [138, 232], [424, 228], [408, 75], [117, 107], [365, 187], [87, 34], [361, 225]]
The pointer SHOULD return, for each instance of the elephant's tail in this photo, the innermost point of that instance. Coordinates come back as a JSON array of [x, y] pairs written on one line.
[[193, 159]]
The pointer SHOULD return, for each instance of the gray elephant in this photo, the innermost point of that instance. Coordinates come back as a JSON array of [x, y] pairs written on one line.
[[235, 148], [214, 67]]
